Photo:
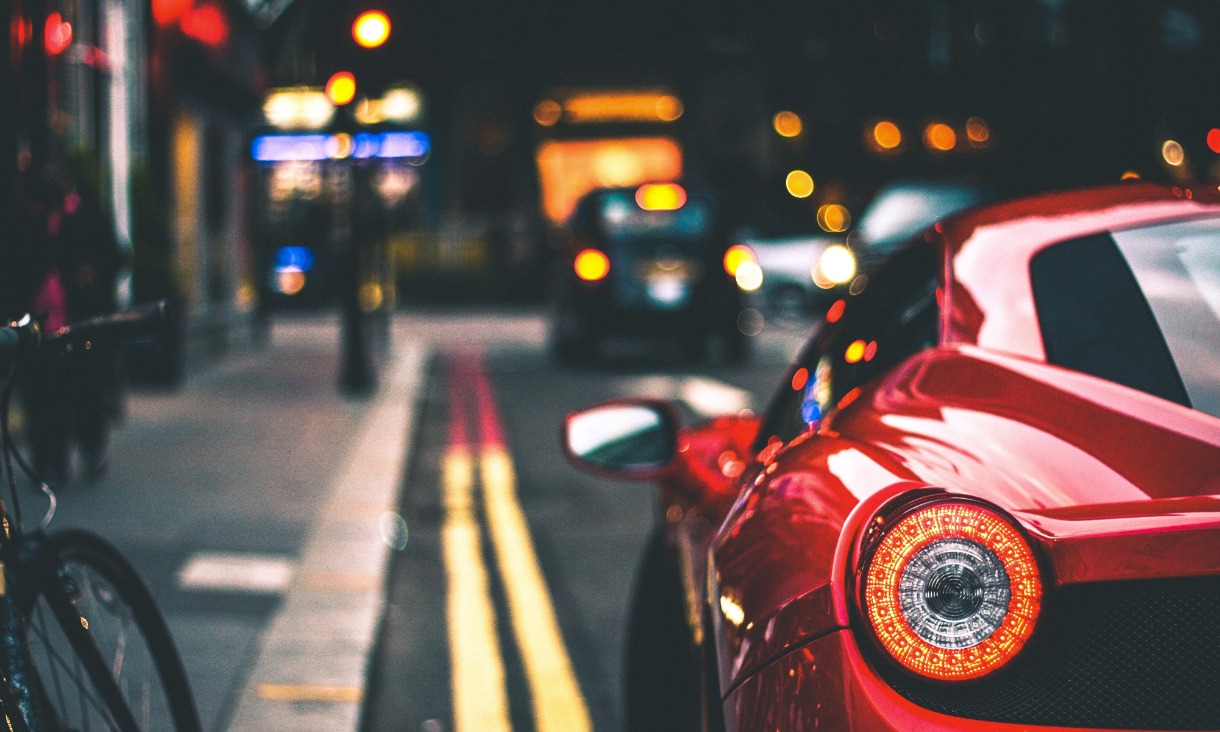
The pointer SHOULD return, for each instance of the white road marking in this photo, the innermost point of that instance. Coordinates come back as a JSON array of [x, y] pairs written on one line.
[[254, 573]]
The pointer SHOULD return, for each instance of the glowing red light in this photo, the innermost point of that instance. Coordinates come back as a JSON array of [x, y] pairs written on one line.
[[165, 12], [888, 608], [800, 378], [58, 34], [1213, 139], [206, 24], [836, 311]]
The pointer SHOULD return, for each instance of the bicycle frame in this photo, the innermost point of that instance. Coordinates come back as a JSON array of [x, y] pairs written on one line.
[[31, 569]]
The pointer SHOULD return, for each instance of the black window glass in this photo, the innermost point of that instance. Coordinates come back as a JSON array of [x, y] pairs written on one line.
[[895, 317], [1140, 307]]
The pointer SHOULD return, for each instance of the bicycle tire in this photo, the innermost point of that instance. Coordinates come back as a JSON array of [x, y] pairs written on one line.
[[96, 588]]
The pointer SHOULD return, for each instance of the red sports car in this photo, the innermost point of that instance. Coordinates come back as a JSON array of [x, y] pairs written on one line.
[[986, 497]]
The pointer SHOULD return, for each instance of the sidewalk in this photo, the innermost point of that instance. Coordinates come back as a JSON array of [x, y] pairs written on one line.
[[309, 673]]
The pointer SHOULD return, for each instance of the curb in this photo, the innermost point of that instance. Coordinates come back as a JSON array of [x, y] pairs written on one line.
[[310, 671]]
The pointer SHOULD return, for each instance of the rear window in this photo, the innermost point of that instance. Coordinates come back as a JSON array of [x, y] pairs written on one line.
[[1140, 307], [622, 218]]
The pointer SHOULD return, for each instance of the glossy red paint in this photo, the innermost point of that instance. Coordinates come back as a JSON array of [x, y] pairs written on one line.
[[988, 299], [1108, 484]]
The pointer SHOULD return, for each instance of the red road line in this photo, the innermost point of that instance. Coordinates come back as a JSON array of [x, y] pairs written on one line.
[[491, 433]]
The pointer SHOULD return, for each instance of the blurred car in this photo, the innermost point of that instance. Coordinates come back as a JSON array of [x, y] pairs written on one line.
[[649, 261], [787, 262], [805, 270], [985, 497], [905, 208]]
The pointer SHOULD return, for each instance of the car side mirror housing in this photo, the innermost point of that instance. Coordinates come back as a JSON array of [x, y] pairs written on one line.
[[631, 439]]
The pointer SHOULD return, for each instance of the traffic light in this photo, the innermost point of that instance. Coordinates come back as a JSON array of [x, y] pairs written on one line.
[[371, 29]]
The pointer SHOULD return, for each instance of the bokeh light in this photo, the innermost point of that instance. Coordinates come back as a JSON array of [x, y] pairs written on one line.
[[978, 132], [799, 184], [548, 112], [834, 218], [1172, 152], [592, 265], [787, 124], [341, 88], [371, 29], [886, 135], [940, 137]]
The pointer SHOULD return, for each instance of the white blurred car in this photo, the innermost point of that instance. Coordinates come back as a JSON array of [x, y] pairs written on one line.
[[803, 272], [787, 263]]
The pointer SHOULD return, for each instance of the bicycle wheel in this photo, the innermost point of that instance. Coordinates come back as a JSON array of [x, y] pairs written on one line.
[[96, 589]]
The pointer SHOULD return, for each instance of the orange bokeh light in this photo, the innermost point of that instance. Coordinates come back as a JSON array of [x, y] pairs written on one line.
[[371, 29], [887, 135], [660, 197], [737, 255], [341, 88], [921, 529], [592, 265], [978, 131], [855, 352], [939, 136], [787, 124], [1213, 139]]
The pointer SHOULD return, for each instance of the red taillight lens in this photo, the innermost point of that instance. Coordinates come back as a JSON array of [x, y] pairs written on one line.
[[951, 590], [591, 265]]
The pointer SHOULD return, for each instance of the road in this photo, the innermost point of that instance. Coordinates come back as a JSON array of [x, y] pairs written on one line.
[[585, 532], [217, 490]]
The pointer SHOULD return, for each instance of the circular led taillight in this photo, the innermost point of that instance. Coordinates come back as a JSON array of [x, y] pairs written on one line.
[[952, 591]]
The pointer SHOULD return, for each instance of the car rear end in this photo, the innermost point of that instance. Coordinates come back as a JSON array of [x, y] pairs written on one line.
[[1117, 623], [650, 261]]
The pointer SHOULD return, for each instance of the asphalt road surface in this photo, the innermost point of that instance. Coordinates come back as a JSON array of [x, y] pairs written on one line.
[[511, 562], [506, 609]]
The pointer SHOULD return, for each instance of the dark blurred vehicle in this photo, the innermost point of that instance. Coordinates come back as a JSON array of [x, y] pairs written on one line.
[[985, 497], [649, 261]]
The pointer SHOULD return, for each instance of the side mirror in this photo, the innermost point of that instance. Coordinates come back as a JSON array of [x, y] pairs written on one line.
[[633, 439]]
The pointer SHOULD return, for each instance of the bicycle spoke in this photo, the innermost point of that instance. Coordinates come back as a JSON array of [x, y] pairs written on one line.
[[72, 671]]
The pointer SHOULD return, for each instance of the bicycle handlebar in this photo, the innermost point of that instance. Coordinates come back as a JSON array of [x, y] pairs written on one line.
[[26, 336]]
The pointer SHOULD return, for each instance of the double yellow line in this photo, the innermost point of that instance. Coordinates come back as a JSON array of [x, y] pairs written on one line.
[[480, 698]]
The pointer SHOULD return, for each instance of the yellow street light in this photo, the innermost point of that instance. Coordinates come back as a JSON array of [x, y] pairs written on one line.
[[371, 29]]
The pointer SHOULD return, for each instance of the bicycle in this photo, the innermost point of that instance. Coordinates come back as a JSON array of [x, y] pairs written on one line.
[[82, 643]]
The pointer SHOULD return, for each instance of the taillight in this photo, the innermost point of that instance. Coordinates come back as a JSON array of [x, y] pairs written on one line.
[[950, 590], [591, 265], [741, 262], [737, 255]]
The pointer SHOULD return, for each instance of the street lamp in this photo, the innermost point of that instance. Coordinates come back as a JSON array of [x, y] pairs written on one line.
[[371, 29]]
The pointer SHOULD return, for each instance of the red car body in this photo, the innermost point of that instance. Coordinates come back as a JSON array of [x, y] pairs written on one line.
[[1115, 490]]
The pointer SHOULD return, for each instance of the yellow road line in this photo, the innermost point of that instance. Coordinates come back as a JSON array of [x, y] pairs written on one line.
[[480, 698], [558, 703], [308, 693]]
